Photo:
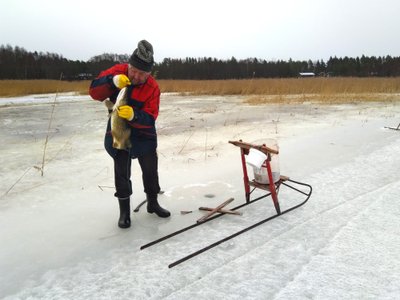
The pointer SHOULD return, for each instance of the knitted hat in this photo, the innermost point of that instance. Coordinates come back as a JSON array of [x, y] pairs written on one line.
[[142, 57]]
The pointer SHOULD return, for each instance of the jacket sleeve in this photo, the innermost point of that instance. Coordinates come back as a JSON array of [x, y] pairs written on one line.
[[103, 87], [149, 112]]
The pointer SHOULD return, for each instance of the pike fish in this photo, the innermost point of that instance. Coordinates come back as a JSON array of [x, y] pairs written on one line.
[[120, 129]]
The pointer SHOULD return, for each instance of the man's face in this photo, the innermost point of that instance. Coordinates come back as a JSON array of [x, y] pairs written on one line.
[[137, 76]]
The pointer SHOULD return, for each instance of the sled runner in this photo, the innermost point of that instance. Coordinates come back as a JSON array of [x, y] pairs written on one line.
[[269, 189]]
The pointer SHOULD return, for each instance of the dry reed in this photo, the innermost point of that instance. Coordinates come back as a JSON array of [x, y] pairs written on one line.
[[287, 86], [334, 89], [14, 88], [290, 90]]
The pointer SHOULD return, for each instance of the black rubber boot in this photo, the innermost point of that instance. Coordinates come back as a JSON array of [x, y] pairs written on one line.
[[154, 207], [124, 213]]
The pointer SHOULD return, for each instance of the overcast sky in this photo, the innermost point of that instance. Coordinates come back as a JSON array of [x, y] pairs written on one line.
[[266, 29]]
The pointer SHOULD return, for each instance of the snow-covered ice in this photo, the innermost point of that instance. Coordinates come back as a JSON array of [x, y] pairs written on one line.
[[59, 234]]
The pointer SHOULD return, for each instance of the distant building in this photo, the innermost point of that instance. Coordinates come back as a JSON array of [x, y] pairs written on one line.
[[84, 76], [80, 76], [306, 74]]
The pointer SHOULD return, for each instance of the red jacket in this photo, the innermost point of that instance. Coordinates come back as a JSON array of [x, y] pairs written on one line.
[[145, 100]]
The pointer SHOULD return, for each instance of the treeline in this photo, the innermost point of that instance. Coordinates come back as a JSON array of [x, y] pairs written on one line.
[[17, 63], [211, 68]]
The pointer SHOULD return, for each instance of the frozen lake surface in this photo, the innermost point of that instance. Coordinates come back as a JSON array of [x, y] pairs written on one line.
[[59, 234]]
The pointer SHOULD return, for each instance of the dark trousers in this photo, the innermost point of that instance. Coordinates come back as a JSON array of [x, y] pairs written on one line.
[[122, 173]]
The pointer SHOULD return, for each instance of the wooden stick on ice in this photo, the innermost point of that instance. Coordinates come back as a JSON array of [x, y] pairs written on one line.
[[222, 211], [214, 210]]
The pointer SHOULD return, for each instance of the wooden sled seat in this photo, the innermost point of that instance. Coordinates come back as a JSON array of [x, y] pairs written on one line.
[[265, 186]]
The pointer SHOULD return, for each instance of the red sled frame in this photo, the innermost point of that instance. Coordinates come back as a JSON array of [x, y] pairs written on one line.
[[272, 188]]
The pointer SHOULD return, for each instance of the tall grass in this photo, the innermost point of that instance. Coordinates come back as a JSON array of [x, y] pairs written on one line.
[[259, 90], [13, 88], [287, 86], [289, 90]]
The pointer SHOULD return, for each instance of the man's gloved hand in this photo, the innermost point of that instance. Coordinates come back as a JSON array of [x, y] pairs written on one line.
[[126, 112], [121, 81]]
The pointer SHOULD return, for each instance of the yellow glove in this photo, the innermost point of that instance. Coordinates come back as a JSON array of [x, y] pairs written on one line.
[[126, 112], [121, 81]]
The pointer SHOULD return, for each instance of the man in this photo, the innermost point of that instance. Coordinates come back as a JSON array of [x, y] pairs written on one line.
[[141, 114]]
